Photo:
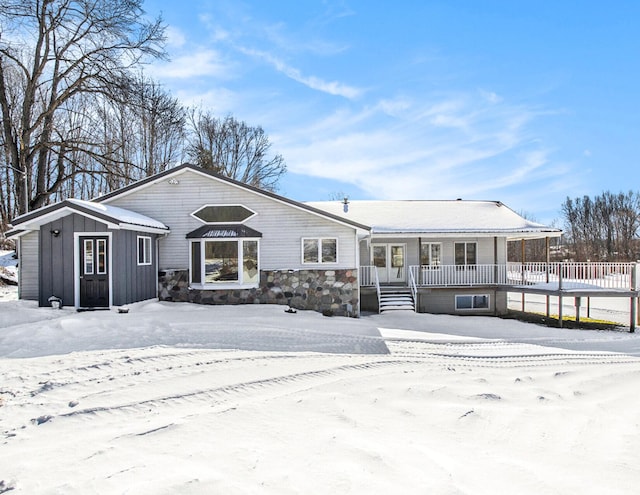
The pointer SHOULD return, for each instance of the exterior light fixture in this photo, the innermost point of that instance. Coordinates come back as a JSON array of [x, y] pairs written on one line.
[[55, 232]]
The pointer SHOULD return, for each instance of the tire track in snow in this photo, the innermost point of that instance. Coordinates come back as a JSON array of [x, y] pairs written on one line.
[[220, 395]]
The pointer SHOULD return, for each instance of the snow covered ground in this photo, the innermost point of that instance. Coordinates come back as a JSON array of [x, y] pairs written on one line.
[[8, 271], [184, 399]]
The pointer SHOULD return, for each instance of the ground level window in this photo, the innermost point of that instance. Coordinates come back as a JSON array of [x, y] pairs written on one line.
[[320, 250], [144, 250], [473, 301]]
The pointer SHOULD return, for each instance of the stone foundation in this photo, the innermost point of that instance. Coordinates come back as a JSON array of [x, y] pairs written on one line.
[[331, 292]]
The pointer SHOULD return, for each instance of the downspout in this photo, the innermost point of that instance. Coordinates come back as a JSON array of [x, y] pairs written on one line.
[[158, 238], [357, 248], [495, 273]]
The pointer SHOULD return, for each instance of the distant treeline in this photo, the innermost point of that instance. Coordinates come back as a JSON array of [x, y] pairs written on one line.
[[604, 228]]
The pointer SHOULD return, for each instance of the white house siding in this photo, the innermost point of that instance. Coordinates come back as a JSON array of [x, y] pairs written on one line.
[[29, 266], [486, 250], [282, 225]]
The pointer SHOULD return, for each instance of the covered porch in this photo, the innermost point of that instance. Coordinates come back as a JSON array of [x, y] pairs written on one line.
[[579, 280]]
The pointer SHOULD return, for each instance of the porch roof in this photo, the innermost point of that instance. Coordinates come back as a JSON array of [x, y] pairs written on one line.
[[435, 217], [223, 232]]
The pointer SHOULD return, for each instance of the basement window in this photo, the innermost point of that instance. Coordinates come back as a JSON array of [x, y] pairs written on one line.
[[472, 301]]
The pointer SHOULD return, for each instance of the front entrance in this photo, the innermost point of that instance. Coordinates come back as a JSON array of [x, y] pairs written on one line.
[[94, 272], [389, 260]]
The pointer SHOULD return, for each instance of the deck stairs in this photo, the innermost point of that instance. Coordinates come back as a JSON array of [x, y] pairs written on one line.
[[396, 299]]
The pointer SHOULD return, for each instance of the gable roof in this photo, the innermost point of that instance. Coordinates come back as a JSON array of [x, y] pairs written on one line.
[[113, 216], [212, 175], [446, 218]]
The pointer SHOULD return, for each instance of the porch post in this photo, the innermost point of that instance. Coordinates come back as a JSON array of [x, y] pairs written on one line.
[[548, 258], [634, 300], [495, 260], [420, 260], [560, 311], [522, 255]]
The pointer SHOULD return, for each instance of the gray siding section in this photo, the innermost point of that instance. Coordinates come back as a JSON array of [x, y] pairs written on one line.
[[443, 301], [57, 256], [130, 282], [282, 225], [29, 263]]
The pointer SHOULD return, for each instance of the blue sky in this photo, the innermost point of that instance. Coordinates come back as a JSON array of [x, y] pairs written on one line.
[[526, 102]]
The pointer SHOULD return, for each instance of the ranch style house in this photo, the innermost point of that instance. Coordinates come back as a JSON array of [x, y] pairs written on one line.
[[191, 235]]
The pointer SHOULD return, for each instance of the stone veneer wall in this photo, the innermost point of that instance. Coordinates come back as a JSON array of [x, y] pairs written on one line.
[[332, 292]]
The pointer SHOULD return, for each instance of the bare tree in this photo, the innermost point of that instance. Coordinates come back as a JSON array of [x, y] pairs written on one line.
[[604, 228], [534, 249], [54, 56], [234, 149]]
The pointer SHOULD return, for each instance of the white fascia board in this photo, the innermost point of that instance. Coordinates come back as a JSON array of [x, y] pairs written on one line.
[[142, 228], [36, 223], [510, 235]]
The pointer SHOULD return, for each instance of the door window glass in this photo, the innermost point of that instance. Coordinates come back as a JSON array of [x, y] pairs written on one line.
[[88, 257], [102, 256], [397, 256], [380, 256]]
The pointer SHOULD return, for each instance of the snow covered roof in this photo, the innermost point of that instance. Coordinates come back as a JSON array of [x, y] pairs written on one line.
[[120, 214], [114, 216], [438, 217]]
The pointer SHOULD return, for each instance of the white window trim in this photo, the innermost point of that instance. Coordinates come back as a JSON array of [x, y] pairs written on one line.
[[76, 263], [488, 308], [253, 214], [466, 264], [319, 262], [240, 284], [431, 266], [145, 252]]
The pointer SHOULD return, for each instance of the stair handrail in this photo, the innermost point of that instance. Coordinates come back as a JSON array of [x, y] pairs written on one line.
[[414, 290], [375, 271]]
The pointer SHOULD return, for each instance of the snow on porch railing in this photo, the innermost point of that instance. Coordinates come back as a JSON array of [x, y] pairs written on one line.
[[575, 275], [623, 276], [450, 275]]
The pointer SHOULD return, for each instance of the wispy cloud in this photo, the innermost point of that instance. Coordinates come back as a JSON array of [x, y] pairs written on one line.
[[331, 87], [200, 62], [440, 147]]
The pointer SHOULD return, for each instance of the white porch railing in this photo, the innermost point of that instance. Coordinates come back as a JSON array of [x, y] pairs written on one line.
[[563, 275], [575, 275]]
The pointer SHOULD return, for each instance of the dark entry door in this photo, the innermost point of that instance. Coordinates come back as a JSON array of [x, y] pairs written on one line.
[[94, 272]]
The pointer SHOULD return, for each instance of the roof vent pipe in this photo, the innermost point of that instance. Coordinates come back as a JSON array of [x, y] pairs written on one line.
[[345, 205]]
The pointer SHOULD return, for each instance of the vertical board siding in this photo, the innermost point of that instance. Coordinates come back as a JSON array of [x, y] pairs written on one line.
[[28, 264], [130, 282], [282, 225], [57, 256]]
